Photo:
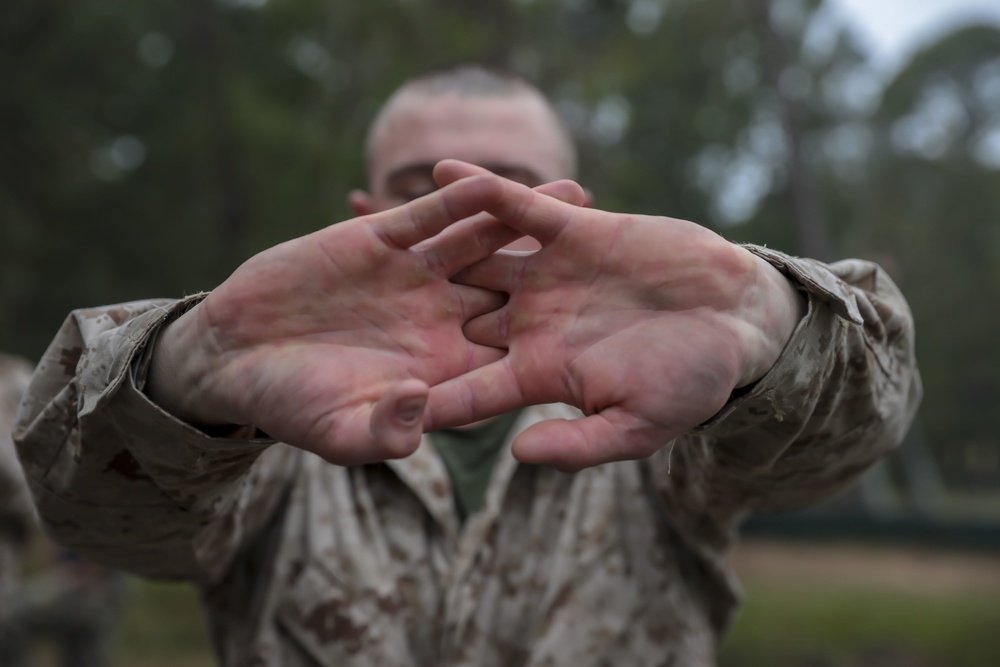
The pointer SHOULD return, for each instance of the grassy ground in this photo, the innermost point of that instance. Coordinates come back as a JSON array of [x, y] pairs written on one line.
[[844, 606], [805, 607], [852, 627], [163, 628]]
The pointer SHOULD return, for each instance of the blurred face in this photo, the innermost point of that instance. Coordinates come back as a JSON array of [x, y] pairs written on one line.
[[514, 136]]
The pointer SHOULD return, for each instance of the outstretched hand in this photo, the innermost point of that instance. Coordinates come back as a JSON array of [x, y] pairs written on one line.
[[646, 324], [329, 342]]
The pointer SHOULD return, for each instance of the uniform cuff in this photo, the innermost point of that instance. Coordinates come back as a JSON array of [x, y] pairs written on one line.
[[793, 377]]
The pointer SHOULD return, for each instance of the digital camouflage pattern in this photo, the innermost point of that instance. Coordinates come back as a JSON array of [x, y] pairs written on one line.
[[304, 563], [17, 516]]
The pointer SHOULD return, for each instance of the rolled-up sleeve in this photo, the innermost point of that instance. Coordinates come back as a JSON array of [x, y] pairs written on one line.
[[120, 480], [841, 395]]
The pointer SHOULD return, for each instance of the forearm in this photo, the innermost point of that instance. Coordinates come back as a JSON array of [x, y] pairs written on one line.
[[841, 395], [118, 478]]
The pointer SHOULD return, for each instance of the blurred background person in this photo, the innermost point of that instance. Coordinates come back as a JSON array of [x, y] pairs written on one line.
[[70, 605], [17, 512]]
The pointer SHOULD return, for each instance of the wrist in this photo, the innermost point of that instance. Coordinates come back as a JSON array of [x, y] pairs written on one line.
[[775, 311], [179, 369]]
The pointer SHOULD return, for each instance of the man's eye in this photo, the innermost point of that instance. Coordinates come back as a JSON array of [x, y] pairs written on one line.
[[417, 194]]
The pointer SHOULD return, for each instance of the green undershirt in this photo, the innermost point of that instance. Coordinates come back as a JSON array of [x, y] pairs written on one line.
[[469, 455]]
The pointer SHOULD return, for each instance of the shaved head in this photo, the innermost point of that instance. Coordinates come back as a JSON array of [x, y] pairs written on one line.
[[485, 117], [473, 85]]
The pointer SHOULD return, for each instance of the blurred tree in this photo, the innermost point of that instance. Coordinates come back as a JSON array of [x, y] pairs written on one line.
[[932, 211], [150, 146], [146, 148]]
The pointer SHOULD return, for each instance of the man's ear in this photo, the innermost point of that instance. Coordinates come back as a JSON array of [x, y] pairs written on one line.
[[360, 203]]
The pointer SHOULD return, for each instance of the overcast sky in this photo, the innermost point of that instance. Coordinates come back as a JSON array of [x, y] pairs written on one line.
[[893, 29]]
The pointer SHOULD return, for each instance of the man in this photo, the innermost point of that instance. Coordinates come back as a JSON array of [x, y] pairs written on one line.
[[17, 515], [685, 381]]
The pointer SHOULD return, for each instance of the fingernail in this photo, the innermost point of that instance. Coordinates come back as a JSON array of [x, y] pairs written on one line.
[[410, 410]]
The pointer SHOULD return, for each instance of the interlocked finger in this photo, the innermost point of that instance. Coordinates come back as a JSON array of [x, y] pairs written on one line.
[[482, 235], [428, 216]]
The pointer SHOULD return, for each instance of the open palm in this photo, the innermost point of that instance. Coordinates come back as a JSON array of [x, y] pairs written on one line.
[[329, 342], [646, 324]]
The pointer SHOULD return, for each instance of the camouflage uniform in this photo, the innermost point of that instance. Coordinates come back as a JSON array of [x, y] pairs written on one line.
[[305, 563], [17, 515]]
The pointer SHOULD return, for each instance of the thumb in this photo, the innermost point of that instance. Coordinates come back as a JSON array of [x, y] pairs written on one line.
[[390, 429], [396, 422], [569, 445]]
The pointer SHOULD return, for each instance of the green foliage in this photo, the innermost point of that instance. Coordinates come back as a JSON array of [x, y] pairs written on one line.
[[164, 622], [932, 213], [850, 626]]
